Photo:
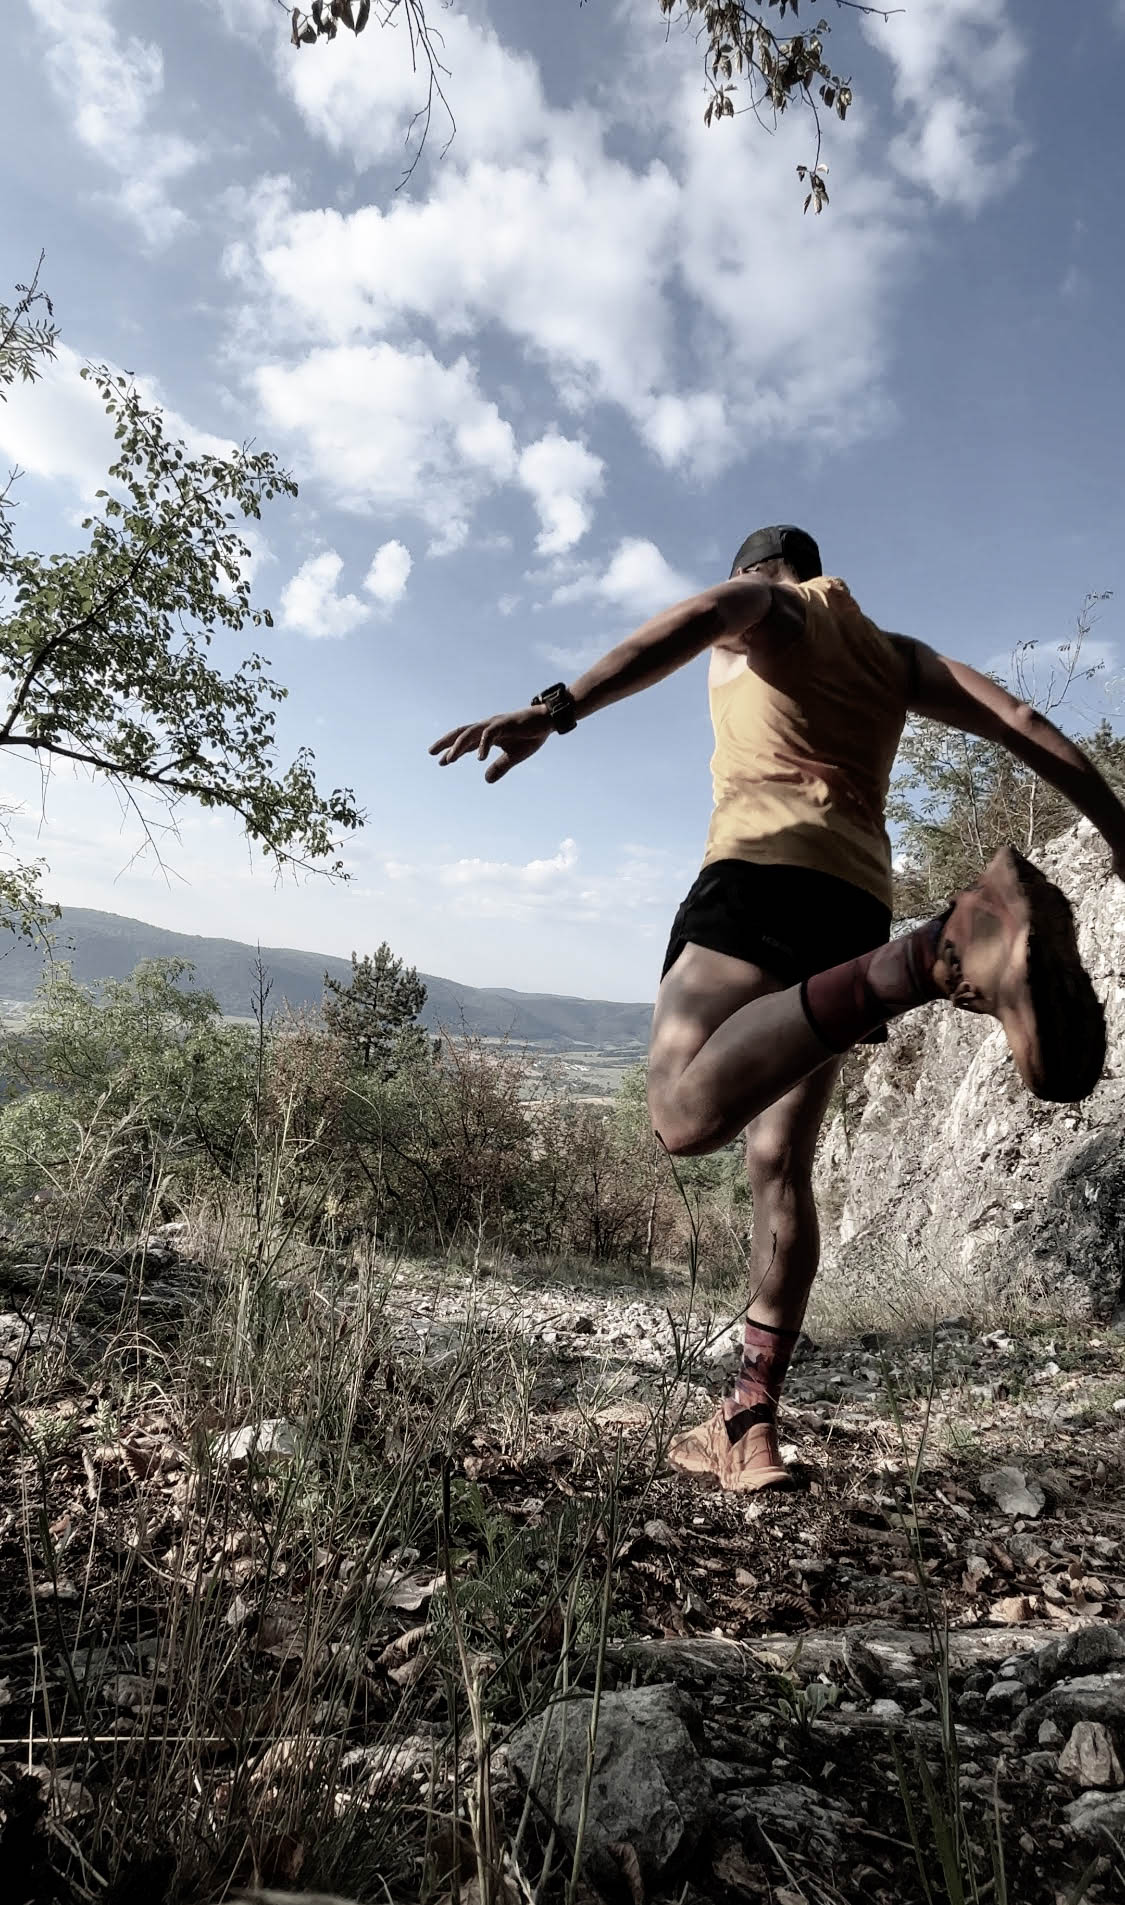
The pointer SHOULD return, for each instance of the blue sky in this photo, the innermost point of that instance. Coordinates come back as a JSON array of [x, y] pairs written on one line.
[[549, 384]]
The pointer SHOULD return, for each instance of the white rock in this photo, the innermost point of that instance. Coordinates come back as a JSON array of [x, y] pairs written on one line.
[[1098, 1818], [1013, 1494], [1088, 1757], [271, 1441]]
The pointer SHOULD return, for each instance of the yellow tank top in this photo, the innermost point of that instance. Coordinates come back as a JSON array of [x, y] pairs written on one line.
[[802, 762]]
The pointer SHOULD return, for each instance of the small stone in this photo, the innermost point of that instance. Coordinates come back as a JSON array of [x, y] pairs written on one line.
[[1049, 1734], [271, 1441], [888, 1709], [1088, 1757], [1005, 1696], [1119, 1406], [1012, 1610], [1013, 1494]]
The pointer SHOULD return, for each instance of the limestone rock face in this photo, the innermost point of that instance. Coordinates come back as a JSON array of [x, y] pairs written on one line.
[[952, 1165]]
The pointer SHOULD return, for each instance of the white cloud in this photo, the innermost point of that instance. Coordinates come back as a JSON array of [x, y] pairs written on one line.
[[311, 606], [684, 289], [110, 86], [638, 581], [393, 429], [56, 428], [641, 885], [536, 875], [955, 67], [389, 573], [366, 105], [561, 476], [583, 259]]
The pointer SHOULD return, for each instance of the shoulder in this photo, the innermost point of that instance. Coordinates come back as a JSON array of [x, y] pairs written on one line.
[[895, 654]]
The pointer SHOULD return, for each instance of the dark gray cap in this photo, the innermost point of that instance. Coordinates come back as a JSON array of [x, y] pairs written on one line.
[[784, 541]]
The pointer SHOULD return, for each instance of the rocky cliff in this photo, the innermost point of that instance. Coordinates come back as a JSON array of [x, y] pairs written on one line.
[[940, 1163]]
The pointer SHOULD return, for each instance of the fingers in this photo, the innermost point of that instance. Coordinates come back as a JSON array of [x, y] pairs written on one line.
[[456, 743], [439, 747], [497, 769]]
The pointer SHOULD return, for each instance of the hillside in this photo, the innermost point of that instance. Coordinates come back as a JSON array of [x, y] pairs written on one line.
[[106, 946]]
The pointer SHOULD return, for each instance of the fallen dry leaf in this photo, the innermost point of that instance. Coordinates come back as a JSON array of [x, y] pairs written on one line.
[[406, 1593], [626, 1857]]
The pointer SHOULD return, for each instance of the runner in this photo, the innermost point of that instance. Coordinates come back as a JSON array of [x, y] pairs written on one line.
[[779, 960]]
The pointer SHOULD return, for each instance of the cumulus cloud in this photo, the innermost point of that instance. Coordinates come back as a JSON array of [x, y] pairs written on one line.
[[56, 428], [386, 428], [638, 581], [683, 289], [955, 67], [561, 476], [311, 605], [389, 573], [111, 86]]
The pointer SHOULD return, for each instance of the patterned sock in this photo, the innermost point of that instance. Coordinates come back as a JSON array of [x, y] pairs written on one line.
[[766, 1354], [845, 1003]]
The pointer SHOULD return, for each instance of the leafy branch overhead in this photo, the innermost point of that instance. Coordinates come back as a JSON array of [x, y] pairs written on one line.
[[105, 652], [741, 49]]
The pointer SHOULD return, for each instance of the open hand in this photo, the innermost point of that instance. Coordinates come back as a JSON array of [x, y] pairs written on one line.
[[517, 736]]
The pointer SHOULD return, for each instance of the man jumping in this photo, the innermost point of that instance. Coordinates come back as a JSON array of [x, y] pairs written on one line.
[[779, 960]]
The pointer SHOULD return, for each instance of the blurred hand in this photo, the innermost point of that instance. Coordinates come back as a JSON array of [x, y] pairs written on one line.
[[517, 736]]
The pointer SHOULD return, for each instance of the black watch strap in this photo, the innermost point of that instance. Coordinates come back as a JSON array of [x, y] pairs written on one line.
[[559, 703]]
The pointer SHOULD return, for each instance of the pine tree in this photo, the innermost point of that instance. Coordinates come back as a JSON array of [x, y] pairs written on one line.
[[377, 1012]]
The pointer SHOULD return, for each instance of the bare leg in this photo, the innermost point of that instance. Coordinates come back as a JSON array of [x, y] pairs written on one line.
[[785, 1240], [704, 1091], [727, 1042]]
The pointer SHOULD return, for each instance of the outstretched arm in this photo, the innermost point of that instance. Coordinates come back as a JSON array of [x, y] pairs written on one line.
[[952, 692], [730, 615]]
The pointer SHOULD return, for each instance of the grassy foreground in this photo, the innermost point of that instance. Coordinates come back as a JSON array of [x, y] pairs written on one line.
[[293, 1538]]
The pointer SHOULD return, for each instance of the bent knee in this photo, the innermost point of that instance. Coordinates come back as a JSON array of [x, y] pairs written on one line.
[[773, 1165], [681, 1135]]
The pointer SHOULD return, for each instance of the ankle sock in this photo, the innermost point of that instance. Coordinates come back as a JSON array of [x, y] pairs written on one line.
[[766, 1354], [845, 1003]]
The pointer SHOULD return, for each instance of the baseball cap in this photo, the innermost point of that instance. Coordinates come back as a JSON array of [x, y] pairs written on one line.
[[784, 540]]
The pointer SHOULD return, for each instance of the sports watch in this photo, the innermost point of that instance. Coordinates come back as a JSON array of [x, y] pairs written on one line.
[[559, 703]]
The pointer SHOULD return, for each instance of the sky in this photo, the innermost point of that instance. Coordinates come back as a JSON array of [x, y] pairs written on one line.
[[542, 385]]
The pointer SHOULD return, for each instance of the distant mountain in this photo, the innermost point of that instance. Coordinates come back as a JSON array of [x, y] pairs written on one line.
[[105, 946]]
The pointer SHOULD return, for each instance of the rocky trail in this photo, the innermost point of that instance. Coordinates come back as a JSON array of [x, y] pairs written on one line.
[[943, 1589], [904, 1679]]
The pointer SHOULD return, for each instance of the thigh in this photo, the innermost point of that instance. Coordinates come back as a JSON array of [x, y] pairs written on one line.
[[697, 994]]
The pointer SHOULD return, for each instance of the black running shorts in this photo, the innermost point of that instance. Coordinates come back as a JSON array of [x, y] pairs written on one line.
[[789, 921]]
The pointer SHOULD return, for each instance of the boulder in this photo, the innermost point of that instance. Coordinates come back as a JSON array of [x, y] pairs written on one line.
[[1085, 1650], [649, 1787], [1099, 1697], [1098, 1819]]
